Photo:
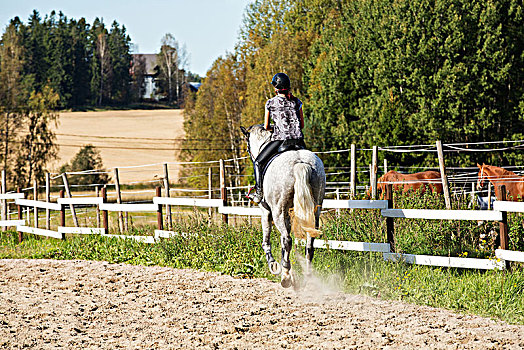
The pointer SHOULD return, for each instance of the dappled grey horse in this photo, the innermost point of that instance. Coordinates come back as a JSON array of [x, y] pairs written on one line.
[[294, 179]]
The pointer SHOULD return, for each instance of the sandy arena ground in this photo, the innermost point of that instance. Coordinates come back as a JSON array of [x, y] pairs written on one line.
[[47, 304], [118, 134]]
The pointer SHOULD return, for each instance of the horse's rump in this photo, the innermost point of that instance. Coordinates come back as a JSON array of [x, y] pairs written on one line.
[[303, 202]]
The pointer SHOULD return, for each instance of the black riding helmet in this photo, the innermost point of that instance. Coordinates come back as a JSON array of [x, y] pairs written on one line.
[[281, 81]]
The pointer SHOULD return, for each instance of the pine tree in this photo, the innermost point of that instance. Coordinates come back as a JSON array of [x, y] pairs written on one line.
[[118, 44], [88, 158], [81, 74]]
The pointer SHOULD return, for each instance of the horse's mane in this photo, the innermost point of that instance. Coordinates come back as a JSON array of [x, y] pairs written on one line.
[[502, 170], [258, 131]]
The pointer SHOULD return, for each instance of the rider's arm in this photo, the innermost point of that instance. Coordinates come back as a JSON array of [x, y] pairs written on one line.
[[301, 116], [266, 119]]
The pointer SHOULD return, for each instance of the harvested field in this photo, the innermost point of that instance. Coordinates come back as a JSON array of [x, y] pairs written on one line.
[[49, 304], [124, 138]]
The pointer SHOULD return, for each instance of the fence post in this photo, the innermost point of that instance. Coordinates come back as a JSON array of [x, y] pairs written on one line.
[[504, 241], [159, 218], [35, 197], [390, 225], [209, 192], [62, 213], [68, 192], [47, 199], [105, 218], [445, 186], [353, 185], [503, 225], [473, 195], [119, 201], [373, 175], [97, 210], [4, 202], [385, 165], [168, 207], [223, 192], [337, 194], [19, 209], [489, 195]]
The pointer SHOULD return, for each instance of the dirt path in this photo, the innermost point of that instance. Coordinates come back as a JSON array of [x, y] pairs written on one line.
[[47, 304]]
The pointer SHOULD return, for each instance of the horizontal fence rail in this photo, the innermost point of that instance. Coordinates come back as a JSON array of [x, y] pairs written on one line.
[[129, 207], [82, 230], [39, 231], [354, 204], [354, 246], [515, 207], [9, 223], [184, 201], [38, 204], [81, 201], [477, 215], [509, 255], [442, 261], [7, 196]]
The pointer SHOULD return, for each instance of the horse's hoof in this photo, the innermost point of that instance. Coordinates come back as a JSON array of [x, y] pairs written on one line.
[[275, 268], [287, 280]]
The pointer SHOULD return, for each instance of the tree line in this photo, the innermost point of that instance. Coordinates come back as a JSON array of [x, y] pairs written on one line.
[[372, 72], [84, 64], [56, 62]]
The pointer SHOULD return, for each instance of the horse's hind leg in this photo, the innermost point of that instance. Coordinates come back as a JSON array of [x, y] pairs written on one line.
[[283, 224], [310, 249], [274, 267]]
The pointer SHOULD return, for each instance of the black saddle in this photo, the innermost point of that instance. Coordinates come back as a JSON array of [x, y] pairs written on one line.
[[291, 145], [286, 145]]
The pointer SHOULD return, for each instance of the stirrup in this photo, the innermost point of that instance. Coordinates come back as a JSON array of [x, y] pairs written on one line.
[[254, 195]]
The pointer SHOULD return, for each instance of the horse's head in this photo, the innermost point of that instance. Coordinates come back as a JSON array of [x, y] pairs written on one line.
[[481, 176], [257, 138]]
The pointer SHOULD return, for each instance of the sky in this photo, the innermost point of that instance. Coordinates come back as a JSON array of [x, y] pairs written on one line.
[[208, 28]]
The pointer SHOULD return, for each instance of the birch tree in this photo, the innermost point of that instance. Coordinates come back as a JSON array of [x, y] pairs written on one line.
[[172, 62], [38, 145]]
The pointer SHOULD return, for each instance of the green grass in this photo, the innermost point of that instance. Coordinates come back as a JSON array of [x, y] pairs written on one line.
[[236, 251]]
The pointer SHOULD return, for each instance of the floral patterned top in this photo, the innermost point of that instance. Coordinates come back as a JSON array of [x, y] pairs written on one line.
[[286, 118]]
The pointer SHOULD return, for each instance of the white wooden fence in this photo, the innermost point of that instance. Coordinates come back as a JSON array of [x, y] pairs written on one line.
[[502, 255]]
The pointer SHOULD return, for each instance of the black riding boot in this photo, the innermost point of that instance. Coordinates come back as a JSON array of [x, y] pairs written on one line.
[[257, 195]]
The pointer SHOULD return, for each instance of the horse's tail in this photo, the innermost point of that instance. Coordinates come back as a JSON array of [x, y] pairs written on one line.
[[304, 204]]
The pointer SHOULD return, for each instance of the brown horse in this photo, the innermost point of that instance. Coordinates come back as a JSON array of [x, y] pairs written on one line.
[[406, 182], [500, 176]]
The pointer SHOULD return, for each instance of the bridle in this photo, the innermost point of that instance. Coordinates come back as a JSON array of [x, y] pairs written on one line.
[[259, 149], [480, 180]]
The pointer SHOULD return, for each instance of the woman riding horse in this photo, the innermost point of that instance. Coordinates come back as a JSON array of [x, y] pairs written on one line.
[[286, 112]]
